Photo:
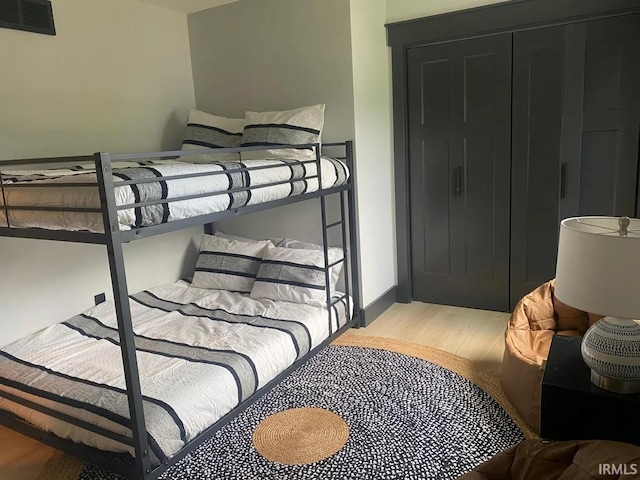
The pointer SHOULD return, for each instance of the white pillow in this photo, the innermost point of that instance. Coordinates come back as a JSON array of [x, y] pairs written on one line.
[[334, 254], [273, 240], [225, 264], [291, 275], [290, 127], [211, 131]]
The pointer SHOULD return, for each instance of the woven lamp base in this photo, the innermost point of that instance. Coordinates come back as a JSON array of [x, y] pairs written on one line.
[[300, 435]]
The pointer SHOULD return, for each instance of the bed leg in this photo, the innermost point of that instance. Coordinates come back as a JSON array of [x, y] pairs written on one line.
[[353, 233], [123, 313]]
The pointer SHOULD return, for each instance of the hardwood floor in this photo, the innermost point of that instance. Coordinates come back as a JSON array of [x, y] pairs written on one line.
[[474, 334], [21, 458]]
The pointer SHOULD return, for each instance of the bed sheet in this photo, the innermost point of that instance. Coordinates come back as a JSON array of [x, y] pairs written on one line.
[[200, 353], [294, 175]]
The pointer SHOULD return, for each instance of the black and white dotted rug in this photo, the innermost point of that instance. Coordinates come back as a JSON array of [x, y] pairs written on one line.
[[408, 419]]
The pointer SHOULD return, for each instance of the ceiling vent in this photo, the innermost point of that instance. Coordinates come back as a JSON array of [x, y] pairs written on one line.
[[29, 15]]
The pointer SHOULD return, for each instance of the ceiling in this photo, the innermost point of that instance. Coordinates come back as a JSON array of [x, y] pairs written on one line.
[[187, 6]]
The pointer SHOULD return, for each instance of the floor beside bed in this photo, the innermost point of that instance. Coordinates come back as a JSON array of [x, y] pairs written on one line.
[[21, 457]]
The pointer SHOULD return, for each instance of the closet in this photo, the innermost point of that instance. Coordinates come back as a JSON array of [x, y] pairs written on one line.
[[500, 136]]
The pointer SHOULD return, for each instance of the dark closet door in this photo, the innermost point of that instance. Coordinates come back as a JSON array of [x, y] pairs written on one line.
[[576, 98], [538, 86], [602, 171], [459, 153]]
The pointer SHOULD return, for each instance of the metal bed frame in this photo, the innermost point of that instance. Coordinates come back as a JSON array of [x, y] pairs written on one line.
[[113, 238]]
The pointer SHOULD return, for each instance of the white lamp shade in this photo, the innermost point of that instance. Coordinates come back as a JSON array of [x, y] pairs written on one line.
[[598, 271]]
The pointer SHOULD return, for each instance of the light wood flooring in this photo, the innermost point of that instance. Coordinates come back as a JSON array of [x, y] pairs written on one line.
[[474, 334]]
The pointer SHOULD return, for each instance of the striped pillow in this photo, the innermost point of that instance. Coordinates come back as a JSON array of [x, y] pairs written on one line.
[[289, 127], [211, 131], [334, 254], [225, 264], [292, 276]]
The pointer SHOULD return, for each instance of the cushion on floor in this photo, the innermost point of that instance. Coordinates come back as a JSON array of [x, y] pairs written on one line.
[[573, 460], [536, 318]]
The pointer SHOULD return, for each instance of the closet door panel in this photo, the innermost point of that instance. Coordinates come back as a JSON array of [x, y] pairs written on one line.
[[434, 86], [611, 109], [485, 181], [536, 157], [598, 173], [459, 142], [479, 185], [543, 171], [479, 83], [436, 222], [433, 159]]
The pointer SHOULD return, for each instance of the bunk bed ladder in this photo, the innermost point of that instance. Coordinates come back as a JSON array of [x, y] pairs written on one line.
[[123, 313], [325, 248], [349, 257]]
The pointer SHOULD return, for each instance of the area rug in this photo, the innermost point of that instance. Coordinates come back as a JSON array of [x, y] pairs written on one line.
[[412, 412]]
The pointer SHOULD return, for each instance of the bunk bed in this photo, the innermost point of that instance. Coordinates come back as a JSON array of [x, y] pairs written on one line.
[[125, 197]]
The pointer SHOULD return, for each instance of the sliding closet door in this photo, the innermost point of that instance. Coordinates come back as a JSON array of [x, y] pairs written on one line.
[[459, 147], [538, 88], [576, 103]]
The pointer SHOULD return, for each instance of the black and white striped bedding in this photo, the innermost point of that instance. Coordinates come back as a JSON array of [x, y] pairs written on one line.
[[291, 275], [293, 174], [205, 130], [228, 264], [200, 353]]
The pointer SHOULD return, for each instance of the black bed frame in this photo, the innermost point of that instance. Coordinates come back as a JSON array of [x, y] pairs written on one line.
[[113, 238]]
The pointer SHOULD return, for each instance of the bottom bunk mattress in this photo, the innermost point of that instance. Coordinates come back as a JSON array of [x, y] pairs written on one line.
[[200, 353]]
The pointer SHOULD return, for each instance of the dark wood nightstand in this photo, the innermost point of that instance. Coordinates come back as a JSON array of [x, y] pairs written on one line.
[[572, 408]]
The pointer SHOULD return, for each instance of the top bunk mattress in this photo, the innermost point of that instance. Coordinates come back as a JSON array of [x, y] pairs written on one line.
[[200, 353], [293, 178]]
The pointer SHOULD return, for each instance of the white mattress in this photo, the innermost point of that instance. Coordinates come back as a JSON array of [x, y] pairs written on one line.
[[296, 178], [200, 352]]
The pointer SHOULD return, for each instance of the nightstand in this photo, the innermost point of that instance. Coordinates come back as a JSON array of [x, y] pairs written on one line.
[[572, 408]]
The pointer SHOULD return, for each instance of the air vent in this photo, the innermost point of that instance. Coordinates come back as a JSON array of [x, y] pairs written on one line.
[[29, 15]]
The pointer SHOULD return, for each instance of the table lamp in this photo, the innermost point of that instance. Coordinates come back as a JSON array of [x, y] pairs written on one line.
[[598, 271]]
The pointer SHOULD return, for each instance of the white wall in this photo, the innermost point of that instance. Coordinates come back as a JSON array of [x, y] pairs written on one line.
[[398, 10], [289, 53], [276, 55], [116, 77], [372, 104]]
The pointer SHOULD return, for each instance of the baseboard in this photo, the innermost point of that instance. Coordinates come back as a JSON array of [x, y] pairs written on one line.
[[378, 306]]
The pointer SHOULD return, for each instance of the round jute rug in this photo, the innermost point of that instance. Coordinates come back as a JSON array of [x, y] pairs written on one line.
[[300, 435], [412, 412]]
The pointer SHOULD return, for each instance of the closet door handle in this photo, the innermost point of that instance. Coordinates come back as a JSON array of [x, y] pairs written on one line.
[[563, 179], [459, 173]]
